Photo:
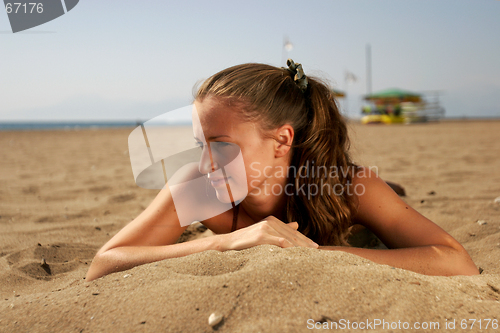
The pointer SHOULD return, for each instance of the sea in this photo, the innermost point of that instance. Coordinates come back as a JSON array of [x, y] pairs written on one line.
[[75, 125], [72, 125]]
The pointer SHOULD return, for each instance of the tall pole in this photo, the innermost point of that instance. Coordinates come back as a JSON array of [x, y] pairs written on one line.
[[368, 69], [346, 97], [283, 52]]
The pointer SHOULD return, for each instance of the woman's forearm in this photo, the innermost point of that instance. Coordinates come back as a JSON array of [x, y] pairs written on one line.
[[429, 260], [123, 258]]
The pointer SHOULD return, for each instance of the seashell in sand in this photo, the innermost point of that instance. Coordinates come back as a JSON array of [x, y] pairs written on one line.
[[214, 319]]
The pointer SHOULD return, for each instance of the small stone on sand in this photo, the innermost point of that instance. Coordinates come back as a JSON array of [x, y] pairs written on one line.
[[214, 319], [481, 222]]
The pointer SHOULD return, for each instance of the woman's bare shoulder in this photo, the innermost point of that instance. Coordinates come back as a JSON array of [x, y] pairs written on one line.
[[375, 197], [363, 172]]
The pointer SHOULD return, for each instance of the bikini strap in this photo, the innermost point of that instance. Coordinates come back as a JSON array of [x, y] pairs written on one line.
[[235, 217]]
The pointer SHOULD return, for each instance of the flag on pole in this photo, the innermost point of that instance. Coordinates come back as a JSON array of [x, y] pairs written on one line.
[[287, 45], [350, 77]]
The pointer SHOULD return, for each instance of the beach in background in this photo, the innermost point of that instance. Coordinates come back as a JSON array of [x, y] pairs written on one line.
[[64, 193]]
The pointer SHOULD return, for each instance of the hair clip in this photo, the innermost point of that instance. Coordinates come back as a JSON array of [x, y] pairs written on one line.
[[300, 78]]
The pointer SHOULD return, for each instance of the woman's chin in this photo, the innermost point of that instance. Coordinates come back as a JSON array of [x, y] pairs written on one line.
[[224, 197]]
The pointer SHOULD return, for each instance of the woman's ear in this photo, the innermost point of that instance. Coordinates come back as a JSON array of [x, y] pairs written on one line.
[[284, 139]]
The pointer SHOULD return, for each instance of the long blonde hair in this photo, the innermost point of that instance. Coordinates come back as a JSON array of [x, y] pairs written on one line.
[[269, 96]]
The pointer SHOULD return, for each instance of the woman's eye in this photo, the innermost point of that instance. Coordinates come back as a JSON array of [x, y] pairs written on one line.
[[223, 144]]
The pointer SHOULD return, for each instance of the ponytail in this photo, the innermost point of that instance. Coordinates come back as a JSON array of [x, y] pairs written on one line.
[[323, 147]]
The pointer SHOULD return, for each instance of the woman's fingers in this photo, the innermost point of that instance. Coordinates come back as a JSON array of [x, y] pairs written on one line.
[[300, 238], [284, 243], [269, 231], [289, 231]]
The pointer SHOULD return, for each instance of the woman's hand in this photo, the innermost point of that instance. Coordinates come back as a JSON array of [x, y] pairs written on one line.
[[268, 231]]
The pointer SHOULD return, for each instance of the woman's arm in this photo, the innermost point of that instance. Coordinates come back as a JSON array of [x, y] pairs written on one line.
[[125, 257], [151, 237], [144, 240], [415, 243]]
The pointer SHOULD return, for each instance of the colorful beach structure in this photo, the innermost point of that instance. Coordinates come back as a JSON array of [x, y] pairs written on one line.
[[338, 93], [398, 106]]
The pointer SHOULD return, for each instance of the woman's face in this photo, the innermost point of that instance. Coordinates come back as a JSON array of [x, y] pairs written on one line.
[[236, 158]]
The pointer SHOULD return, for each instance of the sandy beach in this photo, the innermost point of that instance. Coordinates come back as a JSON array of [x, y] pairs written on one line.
[[64, 193]]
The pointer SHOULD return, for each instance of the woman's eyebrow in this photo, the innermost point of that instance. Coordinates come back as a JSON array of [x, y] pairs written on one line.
[[214, 137], [218, 136]]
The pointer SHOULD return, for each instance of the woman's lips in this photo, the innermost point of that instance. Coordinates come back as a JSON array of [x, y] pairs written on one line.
[[219, 182]]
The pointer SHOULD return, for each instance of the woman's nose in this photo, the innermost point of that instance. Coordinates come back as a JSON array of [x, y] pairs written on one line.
[[207, 162]]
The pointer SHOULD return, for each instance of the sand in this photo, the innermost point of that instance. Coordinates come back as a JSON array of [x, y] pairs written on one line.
[[63, 194]]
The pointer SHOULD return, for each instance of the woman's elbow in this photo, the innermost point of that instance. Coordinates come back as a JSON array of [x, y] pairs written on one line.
[[467, 267], [471, 270], [463, 264], [459, 258], [96, 269]]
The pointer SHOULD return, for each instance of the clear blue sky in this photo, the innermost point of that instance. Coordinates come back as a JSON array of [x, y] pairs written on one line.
[[138, 59]]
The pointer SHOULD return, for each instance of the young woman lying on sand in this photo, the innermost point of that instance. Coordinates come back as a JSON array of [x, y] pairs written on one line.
[[280, 119]]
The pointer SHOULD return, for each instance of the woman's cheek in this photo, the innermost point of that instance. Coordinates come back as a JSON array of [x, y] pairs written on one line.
[[254, 174]]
